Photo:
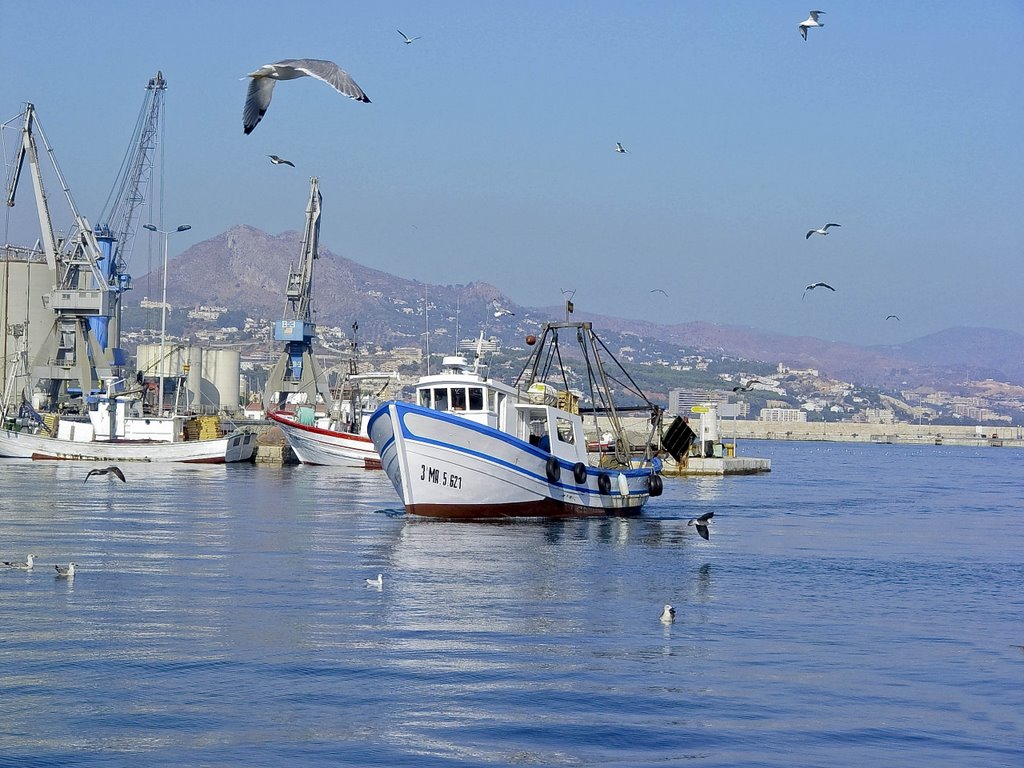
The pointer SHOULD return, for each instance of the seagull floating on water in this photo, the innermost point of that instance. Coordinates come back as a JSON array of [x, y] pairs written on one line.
[[261, 87], [280, 161], [810, 21], [812, 286], [668, 615], [115, 471], [822, 231], [378, 582], [406, 38], [65, 571], [701, 524], [26, 566], [620, 149]]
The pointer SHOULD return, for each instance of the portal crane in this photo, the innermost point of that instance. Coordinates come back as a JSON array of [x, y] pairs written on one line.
[[297, 378], [119, 219], [71, 353]]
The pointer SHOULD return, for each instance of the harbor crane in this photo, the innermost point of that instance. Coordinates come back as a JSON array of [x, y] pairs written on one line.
[[297, 378], [71, 354]]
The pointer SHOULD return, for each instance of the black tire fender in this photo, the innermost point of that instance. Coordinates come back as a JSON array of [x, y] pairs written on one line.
[[604, 484], [553, 470], [654, 485], [579, 473]]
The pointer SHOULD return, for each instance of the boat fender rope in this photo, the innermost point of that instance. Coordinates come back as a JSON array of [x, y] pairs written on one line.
[[553, 470], [604, 483], [579, 473]]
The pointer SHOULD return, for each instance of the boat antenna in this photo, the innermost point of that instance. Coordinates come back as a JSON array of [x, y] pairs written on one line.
[[426, 327]]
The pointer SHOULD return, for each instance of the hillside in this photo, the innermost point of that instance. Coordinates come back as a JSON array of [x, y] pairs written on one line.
[[246, 269]]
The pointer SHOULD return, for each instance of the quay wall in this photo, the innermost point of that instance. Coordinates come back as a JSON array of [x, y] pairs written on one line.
[[914, 434]]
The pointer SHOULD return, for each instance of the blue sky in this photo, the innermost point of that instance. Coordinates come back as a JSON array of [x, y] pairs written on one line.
[[487, 151]]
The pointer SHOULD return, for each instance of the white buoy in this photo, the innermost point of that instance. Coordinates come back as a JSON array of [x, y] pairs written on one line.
[[623, 485]]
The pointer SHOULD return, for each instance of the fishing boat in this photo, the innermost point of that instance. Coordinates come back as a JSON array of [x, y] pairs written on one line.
[[475, 448], [116, 428], [338, 438]]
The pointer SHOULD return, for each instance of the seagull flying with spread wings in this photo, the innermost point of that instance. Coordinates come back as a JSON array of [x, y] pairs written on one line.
[[261, 85], [115, 471], [810, 21], [620, 149], [406, 38], [658, 290], [499, 311], [746, 387], [822, 231], [812, 286], [280, 161], [892, 317], [701, 524]]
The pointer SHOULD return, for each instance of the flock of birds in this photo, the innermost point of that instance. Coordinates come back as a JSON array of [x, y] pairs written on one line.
[[28, 564], [64, 571]]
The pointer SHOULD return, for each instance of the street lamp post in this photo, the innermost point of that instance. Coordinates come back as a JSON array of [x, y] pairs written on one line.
[[163, 307]]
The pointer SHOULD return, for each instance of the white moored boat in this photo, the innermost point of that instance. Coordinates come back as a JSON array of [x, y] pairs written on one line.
[[134, 437], [472, 447], [320, 441]]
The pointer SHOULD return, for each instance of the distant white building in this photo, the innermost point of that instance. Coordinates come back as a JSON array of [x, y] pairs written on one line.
[[782, 414]]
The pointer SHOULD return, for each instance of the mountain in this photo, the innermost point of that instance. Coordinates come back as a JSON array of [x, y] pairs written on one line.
[[246, 269]]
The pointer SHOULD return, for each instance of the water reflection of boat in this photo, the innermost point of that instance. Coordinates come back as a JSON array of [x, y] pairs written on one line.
[[473, 447]]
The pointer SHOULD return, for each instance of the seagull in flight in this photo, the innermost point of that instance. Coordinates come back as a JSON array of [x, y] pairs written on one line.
[[115, 471], [810, 21], [378, 582], [620, 149], [280, 161], [746, 387], [892, 317], [822, 231], [261, 86], [701, 524], [668, 615], [25, 566], [65, 571], [658, 290], [812, 286], [499, 311], [406, 38]]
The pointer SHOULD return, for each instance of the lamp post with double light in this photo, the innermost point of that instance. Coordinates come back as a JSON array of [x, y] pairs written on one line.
[[163, 306]]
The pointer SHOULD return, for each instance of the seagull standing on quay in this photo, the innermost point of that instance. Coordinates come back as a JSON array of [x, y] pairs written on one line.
[[812, 286], [280, 161], [25, 566], [406, 38], [701, 524], [668, 615], [261, 86], [620, 149], [810, 21], [822, 231], [115, 471], [65, 571]]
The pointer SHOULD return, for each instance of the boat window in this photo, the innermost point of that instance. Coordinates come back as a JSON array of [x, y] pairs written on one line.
[[441, 399], [425, 398], [476, 399], [458, 398], [563, 428]]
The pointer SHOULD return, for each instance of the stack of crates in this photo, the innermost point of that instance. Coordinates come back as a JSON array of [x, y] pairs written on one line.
[[203, 428], [50, 421]]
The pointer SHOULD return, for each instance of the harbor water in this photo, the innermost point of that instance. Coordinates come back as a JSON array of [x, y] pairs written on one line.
[[859, 605]]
